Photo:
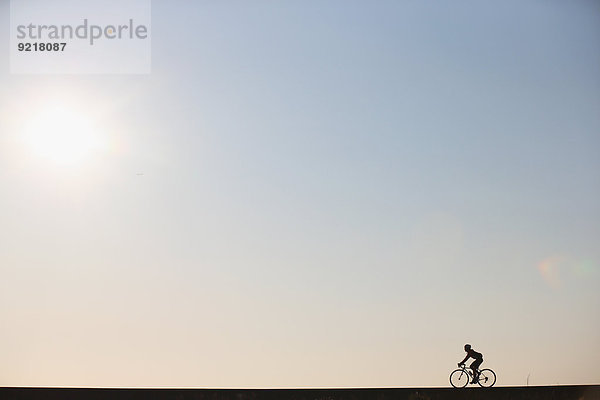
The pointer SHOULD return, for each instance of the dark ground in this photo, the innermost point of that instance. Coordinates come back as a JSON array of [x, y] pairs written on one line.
[[588, 392]]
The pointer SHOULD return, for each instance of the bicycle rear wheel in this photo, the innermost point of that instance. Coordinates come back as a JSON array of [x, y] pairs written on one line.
[[487, 378], [459, 378]]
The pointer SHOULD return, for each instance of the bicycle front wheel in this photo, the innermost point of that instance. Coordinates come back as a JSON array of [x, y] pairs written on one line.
[[487, 378], [459, 378]]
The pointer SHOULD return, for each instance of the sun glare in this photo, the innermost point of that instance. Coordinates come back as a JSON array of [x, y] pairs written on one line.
[[62, 135]]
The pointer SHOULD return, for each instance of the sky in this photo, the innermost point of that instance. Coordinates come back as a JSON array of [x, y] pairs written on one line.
[[309, 194]]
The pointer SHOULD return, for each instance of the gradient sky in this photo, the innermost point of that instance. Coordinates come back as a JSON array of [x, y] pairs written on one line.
[[334, 194]]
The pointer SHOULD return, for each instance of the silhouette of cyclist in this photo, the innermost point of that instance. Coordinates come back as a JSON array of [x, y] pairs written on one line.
[[475, 364]]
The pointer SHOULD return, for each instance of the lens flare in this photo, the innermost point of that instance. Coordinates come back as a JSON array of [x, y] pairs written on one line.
[[550, 271], [561, 271], [586, 269]]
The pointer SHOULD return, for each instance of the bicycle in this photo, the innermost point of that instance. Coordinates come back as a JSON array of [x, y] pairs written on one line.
[[459, 378]]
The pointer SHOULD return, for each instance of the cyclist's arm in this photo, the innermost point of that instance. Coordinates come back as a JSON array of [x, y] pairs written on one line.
[[463, 361]]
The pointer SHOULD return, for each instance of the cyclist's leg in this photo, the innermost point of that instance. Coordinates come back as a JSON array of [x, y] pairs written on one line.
[[475, 368], [474, 372]]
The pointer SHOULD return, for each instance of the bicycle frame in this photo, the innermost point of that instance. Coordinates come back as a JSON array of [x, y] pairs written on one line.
[[468, 371]]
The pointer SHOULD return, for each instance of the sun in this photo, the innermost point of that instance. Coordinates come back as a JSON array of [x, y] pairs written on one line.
[[62, 135]]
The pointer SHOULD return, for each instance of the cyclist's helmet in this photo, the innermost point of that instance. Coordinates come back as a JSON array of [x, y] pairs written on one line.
[[467, 347]]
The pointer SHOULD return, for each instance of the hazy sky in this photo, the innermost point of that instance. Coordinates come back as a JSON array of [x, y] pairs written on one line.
[[311, 193]]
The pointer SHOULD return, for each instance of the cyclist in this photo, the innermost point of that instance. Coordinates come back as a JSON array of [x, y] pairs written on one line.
[[475, 364]]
